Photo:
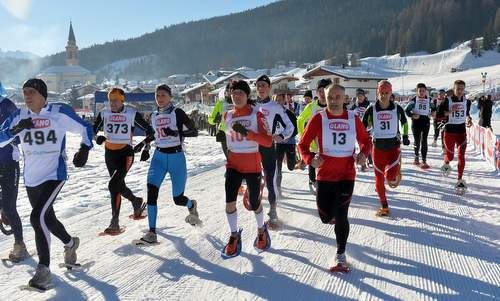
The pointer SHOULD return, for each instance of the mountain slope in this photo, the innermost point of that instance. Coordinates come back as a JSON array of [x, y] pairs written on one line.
[[298, 30], [302, 31], [436, 69]]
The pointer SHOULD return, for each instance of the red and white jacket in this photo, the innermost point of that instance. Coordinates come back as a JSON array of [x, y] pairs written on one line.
[[243, 152], [338, 157]]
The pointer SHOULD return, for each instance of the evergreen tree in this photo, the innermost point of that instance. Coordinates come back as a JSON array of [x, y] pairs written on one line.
[[474, 46], [489, 39], [496, 23], [439, 39]]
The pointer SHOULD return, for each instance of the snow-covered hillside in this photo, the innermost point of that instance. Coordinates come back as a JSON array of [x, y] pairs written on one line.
[[115, 68], [437, 246], [18, 55], [436, 69]]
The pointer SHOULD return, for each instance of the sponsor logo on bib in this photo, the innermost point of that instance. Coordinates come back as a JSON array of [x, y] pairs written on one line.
[[245, 123], [457, 107], [339, 126], [384, 116], [265, 112], [163, 121], [118, 118], [41, 123]]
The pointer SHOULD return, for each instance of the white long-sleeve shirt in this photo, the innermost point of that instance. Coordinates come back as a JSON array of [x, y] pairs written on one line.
[[276, 118], [44, 146]]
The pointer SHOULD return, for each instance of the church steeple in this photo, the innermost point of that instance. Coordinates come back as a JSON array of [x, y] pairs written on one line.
[[71, 48], [71, 37]]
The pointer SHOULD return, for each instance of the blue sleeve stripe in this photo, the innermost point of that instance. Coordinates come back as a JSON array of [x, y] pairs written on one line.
[[68, 111], [62, 173], [5, 127]]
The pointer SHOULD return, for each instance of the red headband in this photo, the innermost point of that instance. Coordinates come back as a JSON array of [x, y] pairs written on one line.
[[384, 88]]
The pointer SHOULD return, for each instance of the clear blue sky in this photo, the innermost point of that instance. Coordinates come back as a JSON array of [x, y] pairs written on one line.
[[41, 26]]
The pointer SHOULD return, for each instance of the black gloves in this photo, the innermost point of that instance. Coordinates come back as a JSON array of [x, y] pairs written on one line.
[[145, 152], [139, 147], [23, 124], [218, 118], [145, 155], [100, 139], [170, 132], [81, 156], [220, 136], [238, 128], [406, 141]]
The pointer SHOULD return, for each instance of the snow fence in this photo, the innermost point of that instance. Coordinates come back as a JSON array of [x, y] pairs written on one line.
[[486, 143]]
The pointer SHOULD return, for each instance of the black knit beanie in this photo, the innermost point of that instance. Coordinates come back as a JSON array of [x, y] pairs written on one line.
[[38, 85]]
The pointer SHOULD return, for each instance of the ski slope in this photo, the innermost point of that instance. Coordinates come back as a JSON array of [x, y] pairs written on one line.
[[435, 69], [437, 246]]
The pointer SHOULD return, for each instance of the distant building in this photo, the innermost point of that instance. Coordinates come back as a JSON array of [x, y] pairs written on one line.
[[197, 93], [177, 79], [282, 84], [350, 78], [61, 78]]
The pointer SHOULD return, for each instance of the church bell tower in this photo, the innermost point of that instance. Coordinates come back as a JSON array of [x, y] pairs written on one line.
[[71, 48]]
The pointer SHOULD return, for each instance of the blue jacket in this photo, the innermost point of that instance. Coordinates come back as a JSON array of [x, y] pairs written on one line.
[[8, 152]]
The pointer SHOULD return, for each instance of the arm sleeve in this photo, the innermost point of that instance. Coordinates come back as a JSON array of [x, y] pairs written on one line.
[[469, 103], [404, 121], [183, 120], [364, 140], [432, 105], [293, 119], [98, 123], [74, 124], [312, 131], [303, 117], [9, 123], [262, 137], [443, 107], [216, 111], [287, 123], [368, 117], [143, 124], [7, 108], [11, 107], [409, 109]]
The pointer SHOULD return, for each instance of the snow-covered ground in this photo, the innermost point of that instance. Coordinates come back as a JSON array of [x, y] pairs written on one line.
[[436, 246], [435, 69], [495, 125]]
